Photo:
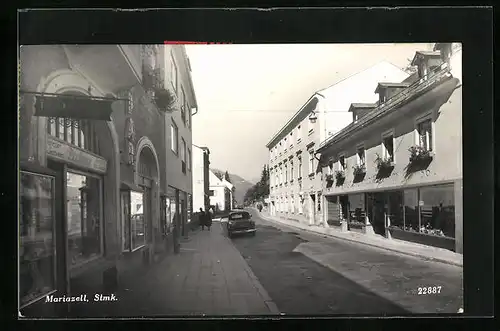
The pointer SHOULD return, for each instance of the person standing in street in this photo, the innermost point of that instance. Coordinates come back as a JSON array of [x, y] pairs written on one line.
[[202, 219], [208, 217]]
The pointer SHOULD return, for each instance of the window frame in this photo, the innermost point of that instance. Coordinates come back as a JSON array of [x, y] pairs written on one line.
[[175, 141], [299, 134], [358, 159], [341, 155], [173, 72], [188, 156], [183, 106], [384, 136], [417, 122]]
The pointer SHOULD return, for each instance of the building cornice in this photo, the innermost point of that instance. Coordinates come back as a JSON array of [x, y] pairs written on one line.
[[399, 100]]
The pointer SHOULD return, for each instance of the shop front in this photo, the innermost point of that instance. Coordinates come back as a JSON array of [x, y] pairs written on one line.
[[423, 215]]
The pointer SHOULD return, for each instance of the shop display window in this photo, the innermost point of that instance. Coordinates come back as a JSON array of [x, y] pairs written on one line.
[[357, 211], [437, 210], [411, 218], [134, 227], [84, 214], [37, 276]]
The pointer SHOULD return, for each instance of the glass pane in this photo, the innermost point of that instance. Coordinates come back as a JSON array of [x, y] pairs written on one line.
[[126, 220], [357, 207], [437, 210], [411, 210], [137, 224], [83, 217], [395, 209], [36, 251]]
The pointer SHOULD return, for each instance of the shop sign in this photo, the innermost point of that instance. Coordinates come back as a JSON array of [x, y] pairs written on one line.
[[62, 151], [66, 106]]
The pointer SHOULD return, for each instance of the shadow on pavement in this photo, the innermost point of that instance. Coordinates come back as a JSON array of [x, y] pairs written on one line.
[[299, 285]]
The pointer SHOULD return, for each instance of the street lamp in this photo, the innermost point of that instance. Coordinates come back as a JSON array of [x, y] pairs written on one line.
[[313, 117]]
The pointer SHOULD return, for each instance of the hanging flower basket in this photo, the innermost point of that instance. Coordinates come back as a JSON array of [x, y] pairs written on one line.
[[359, 170], [329, 178], [419, 154], [340, 175], [164, 99], [383, 163]]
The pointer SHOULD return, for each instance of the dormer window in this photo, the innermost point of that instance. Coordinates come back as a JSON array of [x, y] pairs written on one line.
[[426, 61]]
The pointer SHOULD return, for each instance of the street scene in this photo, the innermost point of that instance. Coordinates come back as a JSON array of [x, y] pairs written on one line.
[[174, 180]]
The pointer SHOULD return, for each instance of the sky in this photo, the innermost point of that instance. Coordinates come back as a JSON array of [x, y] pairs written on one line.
[[246, 93]]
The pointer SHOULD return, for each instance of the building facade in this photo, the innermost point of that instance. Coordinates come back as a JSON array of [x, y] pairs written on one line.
[[113, 173], [295, 179], [201, 178], [220, 193], [396, 170]]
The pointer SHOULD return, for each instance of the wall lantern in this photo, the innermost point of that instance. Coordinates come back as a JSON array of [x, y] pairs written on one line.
[[313, 118]]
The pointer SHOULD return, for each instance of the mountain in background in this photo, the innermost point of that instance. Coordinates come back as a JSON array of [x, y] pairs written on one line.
[[241, 185]]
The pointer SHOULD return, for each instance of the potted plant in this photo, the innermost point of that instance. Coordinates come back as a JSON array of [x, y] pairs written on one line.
[[419, 154], [359, 170], [340, 175], [383, 163], [164, 99]]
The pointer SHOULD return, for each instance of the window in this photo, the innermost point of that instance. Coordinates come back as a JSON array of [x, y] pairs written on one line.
[[188, 115], [173, 72], [83, 196], [319, 202], [361, 155], [183, 106], [291, 139], [357, 207], [299, 134], [285, 145], [424, 133], [291, 170], [342, 163], [330, 168], [171, 206], [388, 146], [286, 173], [437, 210], [411, 217], [37, 276], [300, 167], [183, 155], [80, 133], [311, 162], [212, 193], [174, 137], [189, 159], [299, 204]]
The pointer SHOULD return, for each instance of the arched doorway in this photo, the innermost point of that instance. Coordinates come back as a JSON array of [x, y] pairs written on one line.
[[147, 177]]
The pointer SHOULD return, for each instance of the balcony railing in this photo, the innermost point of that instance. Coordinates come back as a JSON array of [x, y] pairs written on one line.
[[421, 86]]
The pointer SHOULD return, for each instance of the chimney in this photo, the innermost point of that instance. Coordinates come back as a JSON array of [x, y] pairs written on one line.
[[388, 90], [359, 110], [426, 61]]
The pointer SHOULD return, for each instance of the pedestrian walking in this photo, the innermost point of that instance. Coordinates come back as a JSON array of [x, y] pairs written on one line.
[[202, 219], [208, 220]]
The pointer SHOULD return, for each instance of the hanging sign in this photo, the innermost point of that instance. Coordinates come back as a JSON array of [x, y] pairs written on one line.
[[60, 150], [67, 106]]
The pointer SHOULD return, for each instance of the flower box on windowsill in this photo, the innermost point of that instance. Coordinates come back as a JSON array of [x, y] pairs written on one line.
[[420, 154], [340, 175], [422, 238], [384, 164], [311, 175], [299, 179], [359, 170], [291, 181]]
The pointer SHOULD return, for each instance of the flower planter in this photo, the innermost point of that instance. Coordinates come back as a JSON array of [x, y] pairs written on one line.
[[424, 239]]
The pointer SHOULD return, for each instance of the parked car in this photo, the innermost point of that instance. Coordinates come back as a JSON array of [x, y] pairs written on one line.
[[240, 221]]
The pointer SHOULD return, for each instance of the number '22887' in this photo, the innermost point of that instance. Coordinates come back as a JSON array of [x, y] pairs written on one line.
[[429, 290]]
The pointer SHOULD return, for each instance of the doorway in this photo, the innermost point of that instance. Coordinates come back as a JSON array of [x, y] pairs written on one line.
[[376, 208]]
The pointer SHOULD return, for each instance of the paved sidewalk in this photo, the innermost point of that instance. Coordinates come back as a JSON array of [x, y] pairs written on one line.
[[209, 277], [399, 246]]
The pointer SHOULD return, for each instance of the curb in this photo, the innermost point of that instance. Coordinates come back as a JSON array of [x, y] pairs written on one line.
[[424, 257], [273, 309]]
